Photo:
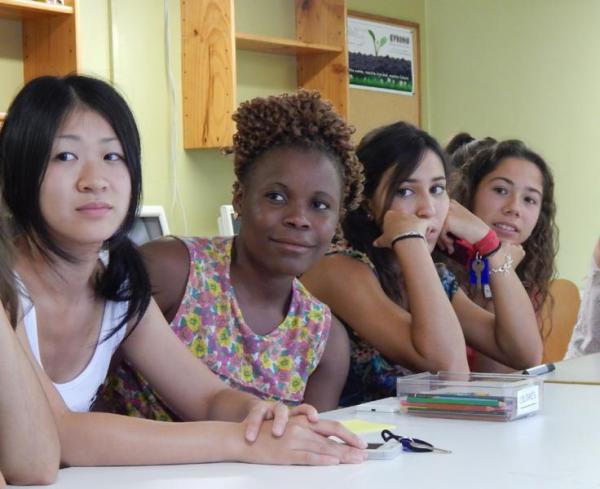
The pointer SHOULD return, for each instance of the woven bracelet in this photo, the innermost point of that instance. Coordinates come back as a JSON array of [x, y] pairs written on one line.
[[406, 235]]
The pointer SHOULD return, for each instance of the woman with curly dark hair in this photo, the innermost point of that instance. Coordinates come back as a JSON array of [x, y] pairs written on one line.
[[404, 312], [236, 302], [511, 188]]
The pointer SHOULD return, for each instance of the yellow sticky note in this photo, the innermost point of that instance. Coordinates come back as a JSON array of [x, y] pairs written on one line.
[[360, 426]]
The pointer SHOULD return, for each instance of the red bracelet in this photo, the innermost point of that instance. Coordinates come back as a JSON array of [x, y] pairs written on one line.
[[487, 245]]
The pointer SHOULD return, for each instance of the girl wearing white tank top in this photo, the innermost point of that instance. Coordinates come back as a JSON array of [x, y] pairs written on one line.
[[71, 178]]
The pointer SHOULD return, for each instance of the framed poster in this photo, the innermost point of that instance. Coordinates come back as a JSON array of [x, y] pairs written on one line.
[[381, 55], [371, 106]]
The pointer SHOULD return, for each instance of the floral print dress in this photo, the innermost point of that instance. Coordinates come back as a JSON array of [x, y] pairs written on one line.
[[209, 321]]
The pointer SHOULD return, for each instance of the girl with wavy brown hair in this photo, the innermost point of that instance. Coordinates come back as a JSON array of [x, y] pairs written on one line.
[[511, 188]]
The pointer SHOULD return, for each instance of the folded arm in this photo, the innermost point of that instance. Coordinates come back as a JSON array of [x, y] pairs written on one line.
[[511, 334], [29, 447], [427, 338]]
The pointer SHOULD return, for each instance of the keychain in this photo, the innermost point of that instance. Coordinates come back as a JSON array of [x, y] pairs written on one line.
[[479, 274], [411, 444]]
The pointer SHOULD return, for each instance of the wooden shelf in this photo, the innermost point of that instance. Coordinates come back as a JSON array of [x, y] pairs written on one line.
[[20, 9], [278, 45], [209, 45], [49, 37]]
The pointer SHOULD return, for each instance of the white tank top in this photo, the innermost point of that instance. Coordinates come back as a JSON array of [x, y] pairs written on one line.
[[79, 393]]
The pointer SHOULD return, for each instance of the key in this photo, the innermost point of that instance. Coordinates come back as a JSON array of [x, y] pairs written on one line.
[[440, 450], [423, 446], [478, 267]]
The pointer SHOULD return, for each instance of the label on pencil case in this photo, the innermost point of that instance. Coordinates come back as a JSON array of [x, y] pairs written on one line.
[[528, 400]]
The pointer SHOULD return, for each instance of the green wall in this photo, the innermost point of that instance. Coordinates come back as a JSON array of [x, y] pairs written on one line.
[[513, 68], [11, 61], [191, 185], [527, 70], [124, 41], [132, 54]]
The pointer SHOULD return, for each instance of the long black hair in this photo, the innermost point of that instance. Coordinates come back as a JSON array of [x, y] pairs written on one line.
[[26, 140], [401, 146]]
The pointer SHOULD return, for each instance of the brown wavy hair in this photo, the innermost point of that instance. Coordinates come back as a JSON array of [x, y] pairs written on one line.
[[537, 268], [462, 147], [299, 120]]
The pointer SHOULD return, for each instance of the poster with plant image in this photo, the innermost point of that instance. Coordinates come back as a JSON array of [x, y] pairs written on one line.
[[380, 56]]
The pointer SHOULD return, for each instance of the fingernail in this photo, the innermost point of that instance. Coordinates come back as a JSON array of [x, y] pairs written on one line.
[[356, 458]]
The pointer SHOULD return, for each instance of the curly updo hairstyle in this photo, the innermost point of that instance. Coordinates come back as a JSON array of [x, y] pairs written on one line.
[[537, 268], [299, 120]]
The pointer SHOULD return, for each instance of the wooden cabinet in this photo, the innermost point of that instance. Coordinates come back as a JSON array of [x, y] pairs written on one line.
[[49, 37], [209, 44]]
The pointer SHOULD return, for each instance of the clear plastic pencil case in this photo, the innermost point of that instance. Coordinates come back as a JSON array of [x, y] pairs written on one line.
[[495, 397]]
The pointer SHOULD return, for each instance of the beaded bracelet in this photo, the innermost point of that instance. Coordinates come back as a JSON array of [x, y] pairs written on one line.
[[406, 235], [505, 268]]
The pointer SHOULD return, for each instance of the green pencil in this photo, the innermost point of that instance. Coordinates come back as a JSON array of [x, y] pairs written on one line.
[[478, 401]]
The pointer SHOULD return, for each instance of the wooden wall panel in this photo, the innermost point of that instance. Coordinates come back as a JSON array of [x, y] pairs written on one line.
[[324, 22], [49, 46], [208, 78]]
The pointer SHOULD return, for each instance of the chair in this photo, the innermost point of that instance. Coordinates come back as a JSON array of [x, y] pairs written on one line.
[[559, 315]]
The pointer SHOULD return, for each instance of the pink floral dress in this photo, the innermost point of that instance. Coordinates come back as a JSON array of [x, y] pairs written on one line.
[[209, 321]]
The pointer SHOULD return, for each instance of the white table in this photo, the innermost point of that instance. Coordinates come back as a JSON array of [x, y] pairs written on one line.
[[581, 370], [557, 448]]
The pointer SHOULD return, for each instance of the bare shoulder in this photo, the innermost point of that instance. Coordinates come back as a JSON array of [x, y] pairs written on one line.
[[167, 252], [336, 266], [334, 272], [167, 261]]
